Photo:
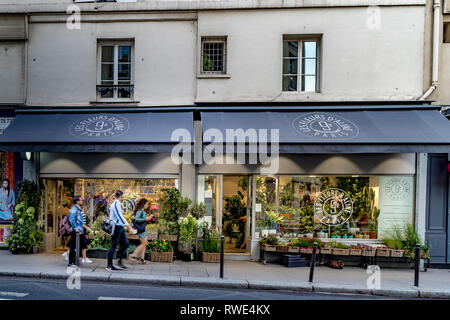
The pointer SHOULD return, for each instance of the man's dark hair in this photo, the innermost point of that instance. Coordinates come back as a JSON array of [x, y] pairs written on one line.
[[118, 193], [76, 199]]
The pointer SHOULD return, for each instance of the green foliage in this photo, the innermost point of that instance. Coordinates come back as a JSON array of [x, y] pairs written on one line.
[[407, 238], [172, 205], [337, 245], [100, 240], [271, 240], [393, 244], [305, 242], [208, 65], [188, 228], [25, 234], [210, 239], [198, 210], [160, 245], [234, 210]]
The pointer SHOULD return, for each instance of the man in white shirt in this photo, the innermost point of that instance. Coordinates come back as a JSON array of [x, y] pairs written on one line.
[[119, 236]]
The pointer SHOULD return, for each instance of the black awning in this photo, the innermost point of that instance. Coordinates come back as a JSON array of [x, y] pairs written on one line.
[[349, 131], [95, 132]]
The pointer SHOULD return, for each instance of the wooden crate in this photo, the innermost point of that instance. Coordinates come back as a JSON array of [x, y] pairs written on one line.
[[397, 253], [341, 252], [293, 249], [369, 252], [307, 251], [161, 256], [383, 252], [211, 257], [326, 251], [269, 248], [355, 252], [282, 249]]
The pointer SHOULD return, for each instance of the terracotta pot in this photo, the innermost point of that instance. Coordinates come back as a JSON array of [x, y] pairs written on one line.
[[373, 234]]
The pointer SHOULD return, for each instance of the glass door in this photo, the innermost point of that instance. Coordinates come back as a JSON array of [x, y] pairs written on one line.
[[209, 192]]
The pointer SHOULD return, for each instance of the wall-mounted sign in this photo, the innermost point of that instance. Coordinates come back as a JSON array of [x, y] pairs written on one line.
[[100, 126], [325, 126], [257, 207], [333, 207]]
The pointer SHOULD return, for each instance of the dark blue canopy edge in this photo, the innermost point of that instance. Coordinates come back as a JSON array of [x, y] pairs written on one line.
[[355, 131], [95, 132]]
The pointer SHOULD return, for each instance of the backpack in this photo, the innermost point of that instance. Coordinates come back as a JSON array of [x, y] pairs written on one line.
[[65, 228]]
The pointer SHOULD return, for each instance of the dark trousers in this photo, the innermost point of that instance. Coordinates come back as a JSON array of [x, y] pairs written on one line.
[[118, 237], [72, 245]]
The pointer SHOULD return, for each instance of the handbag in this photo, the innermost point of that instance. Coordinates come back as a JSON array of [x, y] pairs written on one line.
[[139, 226], [108, 226]]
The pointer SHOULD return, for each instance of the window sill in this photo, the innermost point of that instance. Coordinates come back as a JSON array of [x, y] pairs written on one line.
[[213, 76], [104, 102]]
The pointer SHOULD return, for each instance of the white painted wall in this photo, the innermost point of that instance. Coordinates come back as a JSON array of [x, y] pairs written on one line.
[[358, 63], [63, 62]]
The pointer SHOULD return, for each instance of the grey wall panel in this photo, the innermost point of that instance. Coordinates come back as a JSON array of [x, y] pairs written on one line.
[[101, 164], [436, 222], [373, 164]]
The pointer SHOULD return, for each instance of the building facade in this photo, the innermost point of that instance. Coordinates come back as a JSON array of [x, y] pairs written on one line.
[[100, 89]]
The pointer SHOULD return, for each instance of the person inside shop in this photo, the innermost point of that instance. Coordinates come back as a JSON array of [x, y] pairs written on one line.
[[77, 223], [119, 236], [7, 201], [140, 222]]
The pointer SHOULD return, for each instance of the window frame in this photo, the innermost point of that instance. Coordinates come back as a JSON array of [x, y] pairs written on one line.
[[115, 44], [214, 39], [300, 39]]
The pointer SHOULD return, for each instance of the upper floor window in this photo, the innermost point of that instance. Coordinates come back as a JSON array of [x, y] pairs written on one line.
[[214, 55], [115, 70], [300, 64]]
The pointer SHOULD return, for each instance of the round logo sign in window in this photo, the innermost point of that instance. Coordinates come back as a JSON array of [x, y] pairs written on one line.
[[325, 126], [397, 188], [100, 126], [333, 207]]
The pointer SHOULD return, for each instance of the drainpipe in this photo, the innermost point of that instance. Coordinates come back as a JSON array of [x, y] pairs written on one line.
[[435, 61]]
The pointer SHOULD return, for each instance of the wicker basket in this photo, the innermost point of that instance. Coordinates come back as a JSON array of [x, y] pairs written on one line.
[[269, 247], [293, 249], [341, 252], [397, 253], [282, 249], [383, 252], [326, 251], [161, 256], [211, 257], [369, 252], [355, 252]]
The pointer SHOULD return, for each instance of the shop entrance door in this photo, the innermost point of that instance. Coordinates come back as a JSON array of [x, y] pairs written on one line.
[[236, 213]]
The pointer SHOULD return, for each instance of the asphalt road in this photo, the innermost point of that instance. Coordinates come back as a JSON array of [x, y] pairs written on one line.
[[46, 289]]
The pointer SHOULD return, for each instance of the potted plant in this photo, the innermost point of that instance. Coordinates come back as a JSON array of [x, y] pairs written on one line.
[[339, 248], [152, 231], [188, 231], [210, 244], [160, 250], [355, 250], [269, 243], [283, 247]]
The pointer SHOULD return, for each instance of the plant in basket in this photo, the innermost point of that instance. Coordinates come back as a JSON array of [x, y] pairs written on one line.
[[161, 250], [269, 243], [283, 247], [210, 244]]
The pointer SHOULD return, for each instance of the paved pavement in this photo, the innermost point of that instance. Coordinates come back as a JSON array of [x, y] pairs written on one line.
[[435, 283]]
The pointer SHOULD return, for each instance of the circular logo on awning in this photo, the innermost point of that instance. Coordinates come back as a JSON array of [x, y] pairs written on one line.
[[325, 126], [333, 207], [100, 126], [397, 188]]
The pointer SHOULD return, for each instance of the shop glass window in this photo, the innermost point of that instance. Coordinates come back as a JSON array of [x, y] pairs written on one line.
[[213, 55], [348, 207], [300, 65], [115, 80]]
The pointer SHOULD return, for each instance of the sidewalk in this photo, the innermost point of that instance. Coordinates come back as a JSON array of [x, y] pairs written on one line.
[[435, 283]]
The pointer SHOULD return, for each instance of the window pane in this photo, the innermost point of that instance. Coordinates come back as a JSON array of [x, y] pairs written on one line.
[[107, 92], [107, 72], [290, 49], [213, 56], [124, 54], [124, 71], [107, 53], [309, 83], [290, 66], [289, 83], [309, 66], [309, 49]]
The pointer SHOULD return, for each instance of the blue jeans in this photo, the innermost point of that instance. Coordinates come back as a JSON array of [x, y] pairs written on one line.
[[118, 237]]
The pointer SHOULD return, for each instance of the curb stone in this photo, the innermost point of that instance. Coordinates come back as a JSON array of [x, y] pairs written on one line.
[[405, 293], [273, 285], [214, 283], [146, 279], [435, 294], [340, 288]]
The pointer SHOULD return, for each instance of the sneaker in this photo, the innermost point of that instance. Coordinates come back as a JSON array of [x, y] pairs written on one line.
[[120, 267], [71, 265], [66, 256], [111, 268], [87, 260]]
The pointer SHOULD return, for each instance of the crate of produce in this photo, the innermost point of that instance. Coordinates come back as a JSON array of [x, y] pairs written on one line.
[[355, 252], [383, 252], [293, 249], [397, 253], [282, 249], [269, 248], [369, 252], [307, 250], [326, 251], [341, 252]]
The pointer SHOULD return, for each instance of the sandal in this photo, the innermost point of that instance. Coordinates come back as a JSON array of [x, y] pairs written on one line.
[[142, 261], [134, 257]]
